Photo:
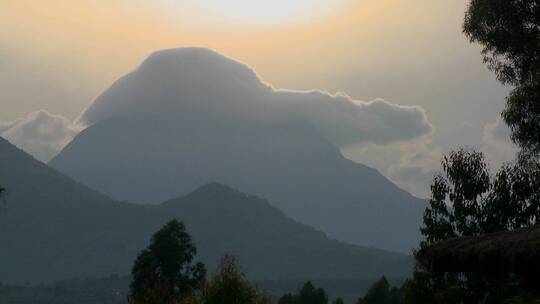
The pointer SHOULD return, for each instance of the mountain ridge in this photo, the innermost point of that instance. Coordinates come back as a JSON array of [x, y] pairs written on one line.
[[56, 228], [186, 117], [309, 180]]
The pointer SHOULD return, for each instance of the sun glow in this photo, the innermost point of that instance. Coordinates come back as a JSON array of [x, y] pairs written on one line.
[[268, 11]]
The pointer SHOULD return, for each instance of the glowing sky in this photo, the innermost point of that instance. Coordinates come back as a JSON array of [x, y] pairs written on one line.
[[58, 55], [268, 13]]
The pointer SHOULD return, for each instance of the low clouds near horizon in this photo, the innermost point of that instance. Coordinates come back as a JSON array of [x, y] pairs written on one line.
[[39, 133], [412, 165]]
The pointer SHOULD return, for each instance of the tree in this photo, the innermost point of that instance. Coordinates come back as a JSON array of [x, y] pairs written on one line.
[[312, 295], [338, 301], [230, 286], [2, 193], [308, 294], [287, 298], [514, 200], [509, 30], [381, 293], [164, 273], [467, 200], [456, 197]]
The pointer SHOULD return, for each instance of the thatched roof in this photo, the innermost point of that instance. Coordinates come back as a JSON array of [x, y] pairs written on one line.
[[505, 252]]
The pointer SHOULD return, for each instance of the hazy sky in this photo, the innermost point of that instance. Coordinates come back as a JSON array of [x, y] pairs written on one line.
[[58, 55]]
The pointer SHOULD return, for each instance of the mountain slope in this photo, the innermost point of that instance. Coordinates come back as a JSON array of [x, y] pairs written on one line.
[[300, 173], [55, 228], [188, 117]]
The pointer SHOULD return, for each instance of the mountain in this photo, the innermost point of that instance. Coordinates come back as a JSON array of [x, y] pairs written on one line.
[[55, 228], [187, 117]]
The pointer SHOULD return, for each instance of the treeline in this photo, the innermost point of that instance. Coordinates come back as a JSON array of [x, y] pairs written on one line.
[[166, 273], [467, 199], [110, 290], [114, 289], [380, 293]]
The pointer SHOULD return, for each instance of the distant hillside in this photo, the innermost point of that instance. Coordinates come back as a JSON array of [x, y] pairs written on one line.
[[188, 117], [55, 228]]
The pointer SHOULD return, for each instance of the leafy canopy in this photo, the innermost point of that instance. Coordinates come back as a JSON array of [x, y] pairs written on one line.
[[381, 293], [164, 273], [309, 294], [467, 200], [509, 31], [230, 286]]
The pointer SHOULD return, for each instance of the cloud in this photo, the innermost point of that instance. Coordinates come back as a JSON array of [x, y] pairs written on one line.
[[6, 125], [345, 121], [413, 164], [496, 143], [40, 133], [199, 87], [417, 167], [410, 165]]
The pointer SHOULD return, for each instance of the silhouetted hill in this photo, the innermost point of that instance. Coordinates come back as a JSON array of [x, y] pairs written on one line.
[[188, 117], [56, 228]]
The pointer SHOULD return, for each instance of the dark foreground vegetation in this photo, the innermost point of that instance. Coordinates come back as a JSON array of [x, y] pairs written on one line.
[[114, 289], [166, 273], [471, 205]]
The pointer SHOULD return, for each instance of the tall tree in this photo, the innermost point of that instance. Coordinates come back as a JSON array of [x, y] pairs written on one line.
[[230, 286], [455, 210], [466, 200], [381, 293], [509, 31], [338, 301], [2, 192], [456, 197], [308, 294], [164, 273]]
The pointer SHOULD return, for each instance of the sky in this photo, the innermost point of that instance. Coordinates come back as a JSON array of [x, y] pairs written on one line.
[[57, 56]]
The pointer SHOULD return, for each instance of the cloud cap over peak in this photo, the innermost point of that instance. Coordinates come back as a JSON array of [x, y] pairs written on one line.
[[201, 86]]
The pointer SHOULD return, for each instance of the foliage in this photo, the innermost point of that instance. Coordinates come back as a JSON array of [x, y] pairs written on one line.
[[230, 286], [2, 192], [456, 197], [466, 200], [509, 31], [309, 294], [514, 199], [338, 301], [163, 273], [381, 293]]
